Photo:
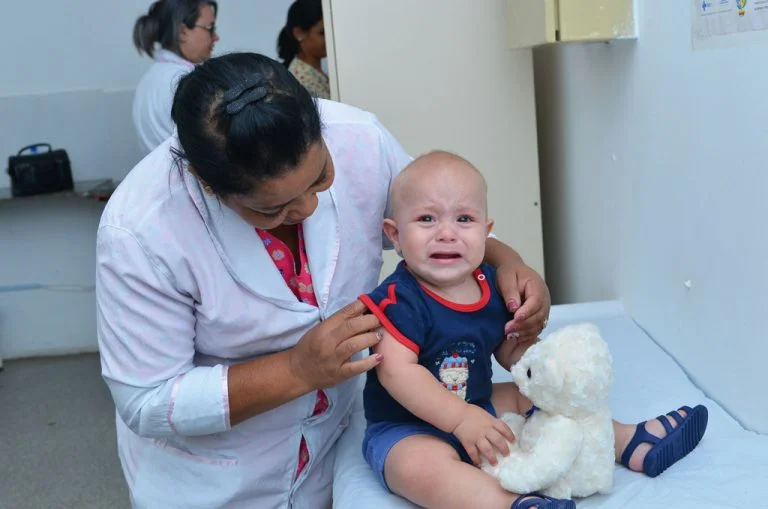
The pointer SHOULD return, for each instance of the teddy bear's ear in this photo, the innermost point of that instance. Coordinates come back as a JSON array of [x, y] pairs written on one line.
[[553, 375]]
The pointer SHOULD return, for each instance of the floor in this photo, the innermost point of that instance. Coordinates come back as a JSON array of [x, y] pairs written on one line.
[[57, 436]]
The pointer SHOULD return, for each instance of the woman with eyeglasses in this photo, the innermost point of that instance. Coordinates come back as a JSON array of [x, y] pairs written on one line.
[[177, 34]]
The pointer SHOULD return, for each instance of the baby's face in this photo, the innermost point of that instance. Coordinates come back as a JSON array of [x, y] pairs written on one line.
[[442, 224]]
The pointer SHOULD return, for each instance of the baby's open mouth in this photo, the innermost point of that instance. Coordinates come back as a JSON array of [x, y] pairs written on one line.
[[445, 256]]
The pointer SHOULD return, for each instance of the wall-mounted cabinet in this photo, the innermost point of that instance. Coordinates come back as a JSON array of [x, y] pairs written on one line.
[[536, 22]]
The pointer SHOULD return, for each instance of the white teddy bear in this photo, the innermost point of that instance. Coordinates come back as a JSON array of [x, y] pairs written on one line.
[[564, 449]]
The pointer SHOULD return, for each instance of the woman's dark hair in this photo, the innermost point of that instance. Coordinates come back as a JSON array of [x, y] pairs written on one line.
[[242, 118], [162, 21], [303, 14]]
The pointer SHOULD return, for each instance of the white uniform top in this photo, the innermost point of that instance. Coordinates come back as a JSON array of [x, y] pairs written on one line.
[[154, 98], [185, 288]]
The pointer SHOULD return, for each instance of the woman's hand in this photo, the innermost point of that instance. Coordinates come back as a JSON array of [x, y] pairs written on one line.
[[322, 357], [483, 435], [527, 296]]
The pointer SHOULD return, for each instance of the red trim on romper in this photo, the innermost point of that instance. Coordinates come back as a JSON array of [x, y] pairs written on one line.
[[466, 308], [389, 326], [391, 297]]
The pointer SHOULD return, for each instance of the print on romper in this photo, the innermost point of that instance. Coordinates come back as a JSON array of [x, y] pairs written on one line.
[[453, 369]]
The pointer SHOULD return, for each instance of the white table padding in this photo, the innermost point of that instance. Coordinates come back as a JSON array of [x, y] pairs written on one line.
[[729, 468]]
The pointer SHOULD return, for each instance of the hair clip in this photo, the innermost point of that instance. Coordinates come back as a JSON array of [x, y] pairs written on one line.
[[236, 91], [255, 95]]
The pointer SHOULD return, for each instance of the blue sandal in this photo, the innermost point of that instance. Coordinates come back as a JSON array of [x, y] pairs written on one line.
[[673, 447], [542, 502]]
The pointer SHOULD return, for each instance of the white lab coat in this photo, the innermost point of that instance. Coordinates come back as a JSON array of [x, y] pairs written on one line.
[[185, 288], [154, 98]]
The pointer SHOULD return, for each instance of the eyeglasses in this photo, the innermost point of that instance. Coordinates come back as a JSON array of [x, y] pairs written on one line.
[[211, 28]]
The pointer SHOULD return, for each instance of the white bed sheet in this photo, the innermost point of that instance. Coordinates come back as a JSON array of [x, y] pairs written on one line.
[[729, 468]]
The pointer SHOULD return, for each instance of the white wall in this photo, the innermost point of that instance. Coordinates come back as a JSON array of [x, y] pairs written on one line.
[[70, 72], [653, 174]]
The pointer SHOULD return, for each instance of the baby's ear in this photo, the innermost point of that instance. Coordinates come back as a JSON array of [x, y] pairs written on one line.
[[390, 230], [489, 227]]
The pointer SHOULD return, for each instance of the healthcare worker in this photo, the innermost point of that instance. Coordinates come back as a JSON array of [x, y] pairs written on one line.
[[226, 264], [177, 34]]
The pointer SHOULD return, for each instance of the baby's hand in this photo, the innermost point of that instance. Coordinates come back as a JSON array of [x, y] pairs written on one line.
[[482, 434]]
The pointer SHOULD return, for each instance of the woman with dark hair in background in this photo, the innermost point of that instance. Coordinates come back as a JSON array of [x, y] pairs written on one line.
[[301, 46], [177, 34]]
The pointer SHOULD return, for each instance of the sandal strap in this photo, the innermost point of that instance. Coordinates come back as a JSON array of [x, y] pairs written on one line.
[[527, 503], [641, 436], [676, 416], [532, 500], [540, 501], [664, 420]]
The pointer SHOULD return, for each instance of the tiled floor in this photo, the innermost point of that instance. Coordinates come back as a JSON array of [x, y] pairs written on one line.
[[57, 436]]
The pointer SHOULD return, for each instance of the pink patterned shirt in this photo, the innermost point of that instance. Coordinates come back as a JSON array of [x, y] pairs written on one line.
[[300, 284]]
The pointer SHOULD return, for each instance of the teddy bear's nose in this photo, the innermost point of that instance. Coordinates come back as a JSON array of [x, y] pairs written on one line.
[[529, 373]]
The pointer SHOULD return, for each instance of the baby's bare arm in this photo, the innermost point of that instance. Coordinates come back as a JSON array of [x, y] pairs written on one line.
[[414, 387]]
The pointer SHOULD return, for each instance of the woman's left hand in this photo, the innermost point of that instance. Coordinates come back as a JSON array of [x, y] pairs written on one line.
[[527, 296]]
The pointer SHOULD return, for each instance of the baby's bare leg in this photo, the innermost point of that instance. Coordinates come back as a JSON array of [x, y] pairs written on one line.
[[429, 473], [506, 397]]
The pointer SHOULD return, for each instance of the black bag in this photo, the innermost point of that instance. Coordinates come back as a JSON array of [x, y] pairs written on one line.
[[45, 172]]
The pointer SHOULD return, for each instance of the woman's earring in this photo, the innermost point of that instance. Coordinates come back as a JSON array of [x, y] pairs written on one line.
[[208, 190]]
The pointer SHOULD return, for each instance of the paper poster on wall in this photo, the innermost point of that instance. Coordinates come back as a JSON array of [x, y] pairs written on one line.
[[718, 19]]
